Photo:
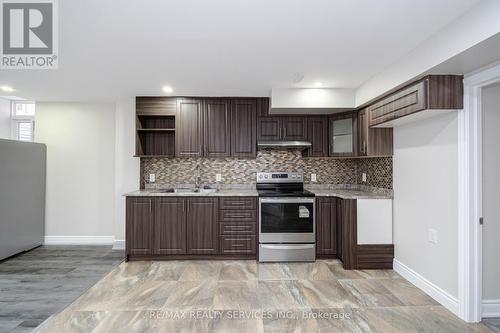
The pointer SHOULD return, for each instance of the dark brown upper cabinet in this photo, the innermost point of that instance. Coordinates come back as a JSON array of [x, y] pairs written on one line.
[[281, 128], [155, 106], [139, 222], [294, 128], [433, 92], [169, 226], [317, 130], [202, 226], [373, 141], [343, 134], [217, 125], [243, 128], [269, 129], [189, 130]]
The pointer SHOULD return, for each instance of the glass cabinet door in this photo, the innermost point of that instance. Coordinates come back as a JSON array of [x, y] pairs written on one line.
[[342, 136]]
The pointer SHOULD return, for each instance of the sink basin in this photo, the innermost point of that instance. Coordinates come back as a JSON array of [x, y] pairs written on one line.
[[205, 189], [164, 190]]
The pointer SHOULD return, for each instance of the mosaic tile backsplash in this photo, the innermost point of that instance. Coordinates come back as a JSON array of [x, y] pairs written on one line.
[[175, 171]]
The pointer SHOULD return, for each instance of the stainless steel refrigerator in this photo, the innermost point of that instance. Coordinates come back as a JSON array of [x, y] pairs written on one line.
[[22, 196]]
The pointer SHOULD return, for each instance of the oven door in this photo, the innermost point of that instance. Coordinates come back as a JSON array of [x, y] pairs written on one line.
[[287, 220]]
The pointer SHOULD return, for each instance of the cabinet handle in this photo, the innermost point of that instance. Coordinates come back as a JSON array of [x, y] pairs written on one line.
[[238, 216], [279, 132], [284, 132], [365, 148], [189, 153], [150, 208]]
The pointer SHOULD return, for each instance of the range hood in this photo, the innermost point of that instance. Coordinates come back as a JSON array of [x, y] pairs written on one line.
[[283, 145]]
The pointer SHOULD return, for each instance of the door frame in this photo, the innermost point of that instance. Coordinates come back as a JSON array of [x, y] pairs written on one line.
[[470, 193]]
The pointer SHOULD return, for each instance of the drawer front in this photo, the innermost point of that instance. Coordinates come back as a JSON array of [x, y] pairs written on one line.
[[399, 104], [239, 229], [238, 245], [238, 215], [238, 203]]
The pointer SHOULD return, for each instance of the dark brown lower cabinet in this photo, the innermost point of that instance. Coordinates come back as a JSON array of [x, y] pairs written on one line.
[[191, 228], [169, 226], [336, 236], [326, 226], [202, 226], [139, 226]]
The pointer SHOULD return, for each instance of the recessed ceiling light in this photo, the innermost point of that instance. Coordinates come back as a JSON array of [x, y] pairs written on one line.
[[318, 84], [6, 89], [168, 89]]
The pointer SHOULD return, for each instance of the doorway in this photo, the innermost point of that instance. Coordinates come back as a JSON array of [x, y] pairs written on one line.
[[490, 108]]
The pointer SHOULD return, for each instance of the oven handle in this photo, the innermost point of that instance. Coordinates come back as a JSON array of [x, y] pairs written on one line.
[[287, 247], [286, 200]]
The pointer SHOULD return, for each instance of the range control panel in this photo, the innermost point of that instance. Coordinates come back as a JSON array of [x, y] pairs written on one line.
[[280, 177]]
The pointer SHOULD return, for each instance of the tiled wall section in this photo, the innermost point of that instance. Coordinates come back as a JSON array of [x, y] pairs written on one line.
[[172, 171], [378, 171]]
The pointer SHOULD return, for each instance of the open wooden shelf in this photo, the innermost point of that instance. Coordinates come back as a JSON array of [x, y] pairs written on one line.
[[156, 129]]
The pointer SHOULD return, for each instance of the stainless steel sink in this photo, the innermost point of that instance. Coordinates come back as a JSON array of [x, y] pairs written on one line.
[[196, 190]]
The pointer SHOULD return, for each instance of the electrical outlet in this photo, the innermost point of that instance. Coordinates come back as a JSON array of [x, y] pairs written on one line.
[[218, 177], [313, 177], [433, 236], [363, 177], [152, 177]]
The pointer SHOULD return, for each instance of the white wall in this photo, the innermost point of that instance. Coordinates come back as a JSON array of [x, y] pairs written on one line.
[[425, 196], [80, 167], [5, 118], [491, 193], [126, 166], [474, 26]]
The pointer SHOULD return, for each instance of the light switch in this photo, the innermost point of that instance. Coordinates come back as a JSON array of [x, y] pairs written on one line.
[[218, 177], [363, 177], [433, 236], [313, 177], [152, 177]]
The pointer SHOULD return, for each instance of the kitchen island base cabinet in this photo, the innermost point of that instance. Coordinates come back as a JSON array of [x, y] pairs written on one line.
[[171, 228]]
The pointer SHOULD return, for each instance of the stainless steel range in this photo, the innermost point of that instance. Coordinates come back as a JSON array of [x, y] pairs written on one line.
[[287, 230]]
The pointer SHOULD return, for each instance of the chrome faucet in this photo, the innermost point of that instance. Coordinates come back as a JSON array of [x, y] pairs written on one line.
[[197, 176]]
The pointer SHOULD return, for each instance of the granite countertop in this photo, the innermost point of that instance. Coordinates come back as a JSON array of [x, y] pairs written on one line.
[[222, 192], [350, 191], [320, 190]]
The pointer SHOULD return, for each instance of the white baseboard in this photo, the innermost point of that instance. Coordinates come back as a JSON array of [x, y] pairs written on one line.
[[438, 294], [79, 240], [491, 308], [119, 244]]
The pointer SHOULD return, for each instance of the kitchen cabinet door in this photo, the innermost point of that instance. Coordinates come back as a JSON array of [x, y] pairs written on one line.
[[343, 135], [326, 226], [188, 128], [244, 128], [170, 226], [373, 141], [202, 226], [269, 129], [217, 128], [318, 136], [294, 128], [139, 220]]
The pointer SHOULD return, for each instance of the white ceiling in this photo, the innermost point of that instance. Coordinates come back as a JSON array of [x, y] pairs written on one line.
[[116, 48]]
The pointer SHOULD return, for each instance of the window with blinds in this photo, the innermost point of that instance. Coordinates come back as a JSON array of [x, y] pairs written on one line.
[[23, 120], [25, 131]]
